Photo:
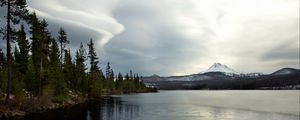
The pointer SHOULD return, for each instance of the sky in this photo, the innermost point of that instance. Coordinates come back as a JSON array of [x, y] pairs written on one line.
[[179, 37]]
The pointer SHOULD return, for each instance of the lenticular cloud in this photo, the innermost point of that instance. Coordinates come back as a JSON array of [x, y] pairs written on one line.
[[85, 15]]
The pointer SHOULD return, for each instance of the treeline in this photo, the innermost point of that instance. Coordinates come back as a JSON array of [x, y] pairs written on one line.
[[43, 65]]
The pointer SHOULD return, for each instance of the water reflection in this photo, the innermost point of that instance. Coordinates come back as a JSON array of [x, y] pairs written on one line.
[[77, 112], [112, 109], [180, 105], [106, 109]]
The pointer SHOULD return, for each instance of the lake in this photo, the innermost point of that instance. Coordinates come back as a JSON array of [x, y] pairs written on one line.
[[186, 105]]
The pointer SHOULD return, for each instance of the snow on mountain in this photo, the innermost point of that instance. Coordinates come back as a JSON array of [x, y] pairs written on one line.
[[218, 67], [255, 74]]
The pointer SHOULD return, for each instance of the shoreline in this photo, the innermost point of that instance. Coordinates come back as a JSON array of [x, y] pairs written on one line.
[[11, 111], [8, 112]]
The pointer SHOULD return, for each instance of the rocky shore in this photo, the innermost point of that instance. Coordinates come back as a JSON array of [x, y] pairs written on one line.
[[18, 109]]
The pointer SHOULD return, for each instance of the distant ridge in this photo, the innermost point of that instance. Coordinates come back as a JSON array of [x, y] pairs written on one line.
[[286, 71], [220, 76]]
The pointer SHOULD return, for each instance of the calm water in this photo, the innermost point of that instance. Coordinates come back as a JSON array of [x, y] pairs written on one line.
[[186, 105]]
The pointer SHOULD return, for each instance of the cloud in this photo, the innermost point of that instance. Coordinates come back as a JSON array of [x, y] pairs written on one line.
[[92, 16], [186, 37], [181, 37]]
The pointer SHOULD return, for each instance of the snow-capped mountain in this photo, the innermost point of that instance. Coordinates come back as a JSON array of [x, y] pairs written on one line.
[[218, 67], [224, 72], [220, 76]]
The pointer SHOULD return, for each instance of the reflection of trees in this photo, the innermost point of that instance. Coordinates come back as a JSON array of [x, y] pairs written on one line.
[[114, 109], [77, 112], [94, 110], [106, 109]]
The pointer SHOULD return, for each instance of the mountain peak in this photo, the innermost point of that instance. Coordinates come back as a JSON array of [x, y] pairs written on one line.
[[154, 75], [218, 67]]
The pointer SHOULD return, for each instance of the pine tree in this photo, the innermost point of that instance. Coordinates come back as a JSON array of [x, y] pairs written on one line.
[[44, 61], [131, 76], [2, 59], [95, 74], [119, 82], [41, 40], [68, 68], [143, 86], [36, 49], [137, 82], [56, 79], [126, 84], [3, 71], [93, 57], [62, 38], [16, 55], [111, 79], [31, 84], [16, 10], [107, 71], [80, 70], [24, 49]]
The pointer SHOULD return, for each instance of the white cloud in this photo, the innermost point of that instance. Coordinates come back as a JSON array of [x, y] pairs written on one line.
[[93, 15], [184, 36]]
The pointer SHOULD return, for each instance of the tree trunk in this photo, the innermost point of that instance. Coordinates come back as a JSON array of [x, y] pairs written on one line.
[[61, 55], [40, 77], [9, 57]]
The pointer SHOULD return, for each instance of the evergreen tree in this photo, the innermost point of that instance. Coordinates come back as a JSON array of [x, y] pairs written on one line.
[[31, 84], [80, 69], [44, 54], [24, 49], [126, 84], [16, 10], [107, 71], [131, 76], [56, 79], [68, 68], [62, 38], [36, 49], [93, 57], [137, 82], [111, 79], [119, 82], [143, 86], [39, 47], [16, 54], [2, 59], [3, 71], [95, 74]]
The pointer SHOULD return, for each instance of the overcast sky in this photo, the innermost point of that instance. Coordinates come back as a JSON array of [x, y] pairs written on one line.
[[177, 37]]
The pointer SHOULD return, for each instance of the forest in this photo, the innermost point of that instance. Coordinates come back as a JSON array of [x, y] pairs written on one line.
[[40, 67]]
